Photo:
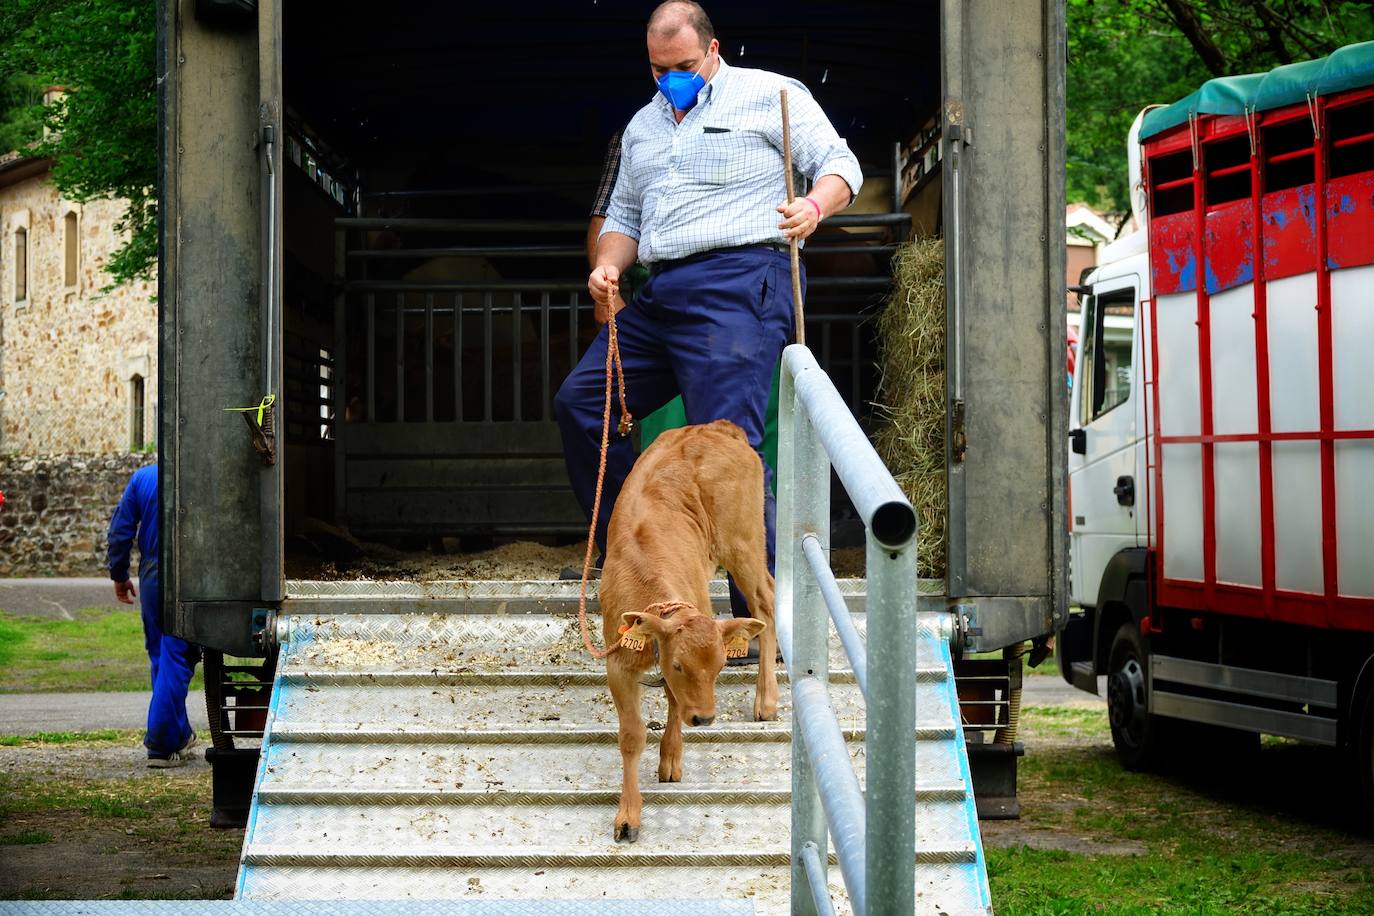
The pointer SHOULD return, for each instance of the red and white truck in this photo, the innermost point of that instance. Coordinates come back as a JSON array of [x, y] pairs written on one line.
[[1221, 465]]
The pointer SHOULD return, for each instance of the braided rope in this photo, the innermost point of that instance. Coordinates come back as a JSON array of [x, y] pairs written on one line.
[[614, 370]]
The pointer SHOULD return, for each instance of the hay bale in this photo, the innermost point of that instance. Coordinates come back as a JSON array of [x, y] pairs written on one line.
[[911, 391]]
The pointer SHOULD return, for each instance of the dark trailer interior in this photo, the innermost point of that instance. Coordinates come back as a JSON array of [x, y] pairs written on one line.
[[439, 165]]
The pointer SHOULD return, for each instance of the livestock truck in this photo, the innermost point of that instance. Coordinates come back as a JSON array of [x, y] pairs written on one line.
[[372, 282], [1223, 425]]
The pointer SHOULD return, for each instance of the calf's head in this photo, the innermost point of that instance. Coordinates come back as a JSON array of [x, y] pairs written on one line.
[[691, 652]]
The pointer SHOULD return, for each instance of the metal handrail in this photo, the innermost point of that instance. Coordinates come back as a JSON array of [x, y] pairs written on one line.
[[874, 831]]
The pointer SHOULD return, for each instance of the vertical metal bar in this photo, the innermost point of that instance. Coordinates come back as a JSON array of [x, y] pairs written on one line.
[[544, 383], [807, 511], [890, 845], [1326, 394], [458, 357], [400, 358], [486, 357], [429, 357], [855, 351], [827, 346], [515, 343], [371, 358], [340, 380], [573, 305]]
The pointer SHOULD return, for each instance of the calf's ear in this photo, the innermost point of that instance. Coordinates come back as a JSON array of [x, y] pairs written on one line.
[[736, 633]]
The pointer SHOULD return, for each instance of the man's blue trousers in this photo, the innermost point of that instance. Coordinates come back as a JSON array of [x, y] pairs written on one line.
[[172, 662], [710, 328]]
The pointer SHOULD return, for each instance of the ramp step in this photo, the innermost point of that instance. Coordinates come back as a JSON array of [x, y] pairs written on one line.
[[344, 677], [716, 767], [315, 732], [423, 857], [663, 795]]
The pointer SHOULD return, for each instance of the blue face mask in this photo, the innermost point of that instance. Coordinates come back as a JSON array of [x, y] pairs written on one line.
[[681, 88]]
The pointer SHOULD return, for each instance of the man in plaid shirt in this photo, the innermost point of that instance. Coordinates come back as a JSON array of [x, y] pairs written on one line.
[[699, 197]]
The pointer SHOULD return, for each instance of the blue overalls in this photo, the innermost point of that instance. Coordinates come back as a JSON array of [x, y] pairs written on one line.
[[172, 661], [709, 327]]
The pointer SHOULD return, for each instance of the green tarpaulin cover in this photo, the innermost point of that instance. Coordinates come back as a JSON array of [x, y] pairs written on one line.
[[1347, 68]]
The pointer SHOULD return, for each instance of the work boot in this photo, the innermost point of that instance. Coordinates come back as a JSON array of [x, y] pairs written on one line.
[[178, 758]]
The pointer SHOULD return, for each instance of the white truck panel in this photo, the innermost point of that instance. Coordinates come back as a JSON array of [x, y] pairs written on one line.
[[1297, 515], [1178, 399], [1293, 394], [1234, 402], [1238, 513], [1182, 473], [1352, 347]]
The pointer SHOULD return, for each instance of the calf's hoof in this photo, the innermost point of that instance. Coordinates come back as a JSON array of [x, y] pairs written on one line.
[[624, 833], [765, 712]]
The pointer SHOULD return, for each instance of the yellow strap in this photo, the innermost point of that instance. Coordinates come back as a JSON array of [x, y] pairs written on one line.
[[260, 407]]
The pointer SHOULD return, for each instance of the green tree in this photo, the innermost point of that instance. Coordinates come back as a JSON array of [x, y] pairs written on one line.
[[102, 134], [1126, 54]]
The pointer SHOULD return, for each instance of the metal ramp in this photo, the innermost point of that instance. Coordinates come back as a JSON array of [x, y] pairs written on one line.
[[473, 757]]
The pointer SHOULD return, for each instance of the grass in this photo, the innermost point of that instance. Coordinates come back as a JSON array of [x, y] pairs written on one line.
[[1064, 722], [105, 737], [101, 650], [1198, 841], [140, 837], [26, 838]]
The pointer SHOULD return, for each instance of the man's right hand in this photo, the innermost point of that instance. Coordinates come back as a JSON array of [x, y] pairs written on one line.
[[125, 593], [604, 285]]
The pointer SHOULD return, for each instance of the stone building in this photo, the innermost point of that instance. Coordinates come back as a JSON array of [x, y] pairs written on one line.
[[78, 365]]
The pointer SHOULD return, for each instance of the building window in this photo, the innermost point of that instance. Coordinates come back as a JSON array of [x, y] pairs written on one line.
[[21, 265], [136, 411], [72, 231]]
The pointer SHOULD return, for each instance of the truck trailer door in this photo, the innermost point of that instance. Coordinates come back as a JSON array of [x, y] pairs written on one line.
[[1104, 481], [219, 344]]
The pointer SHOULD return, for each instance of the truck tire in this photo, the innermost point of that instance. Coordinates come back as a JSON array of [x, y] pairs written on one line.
[[1139, 736], [1364, 753]]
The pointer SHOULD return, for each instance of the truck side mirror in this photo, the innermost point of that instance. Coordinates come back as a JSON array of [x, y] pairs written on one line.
[[1078, 441]]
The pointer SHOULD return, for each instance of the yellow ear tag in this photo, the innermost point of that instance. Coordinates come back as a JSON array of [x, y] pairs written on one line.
[[636, 637], [737, 647]]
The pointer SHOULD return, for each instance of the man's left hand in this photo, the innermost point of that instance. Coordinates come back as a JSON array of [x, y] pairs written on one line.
[[799, 218]]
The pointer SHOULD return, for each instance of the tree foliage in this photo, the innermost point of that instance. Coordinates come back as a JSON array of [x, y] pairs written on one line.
[[1126, 54], [102, 134]]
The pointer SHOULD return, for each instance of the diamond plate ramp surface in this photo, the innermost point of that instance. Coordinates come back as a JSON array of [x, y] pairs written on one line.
[[461, 757]]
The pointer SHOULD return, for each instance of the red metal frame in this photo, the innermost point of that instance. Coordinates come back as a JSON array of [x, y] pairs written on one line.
[[1283, 257]]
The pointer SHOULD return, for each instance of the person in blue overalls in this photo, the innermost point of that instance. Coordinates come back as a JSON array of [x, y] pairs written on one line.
[[170, 737], [700, 198]]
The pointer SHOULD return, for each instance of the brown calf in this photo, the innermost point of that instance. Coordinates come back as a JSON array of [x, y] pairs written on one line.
[[694, 500]]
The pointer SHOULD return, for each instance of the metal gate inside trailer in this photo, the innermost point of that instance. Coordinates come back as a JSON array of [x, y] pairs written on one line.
[[452, 337]]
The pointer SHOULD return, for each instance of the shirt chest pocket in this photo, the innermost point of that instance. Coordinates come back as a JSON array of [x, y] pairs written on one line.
[[714, 159]]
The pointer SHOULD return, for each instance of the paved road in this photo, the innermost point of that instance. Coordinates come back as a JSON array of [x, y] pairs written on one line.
[[58, 599], [27, 713]]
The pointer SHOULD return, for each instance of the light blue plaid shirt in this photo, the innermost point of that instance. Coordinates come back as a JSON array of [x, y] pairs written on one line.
[[714, 180]]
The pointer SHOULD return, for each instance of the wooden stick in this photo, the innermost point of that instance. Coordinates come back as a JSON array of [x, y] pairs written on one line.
[[798, 314]]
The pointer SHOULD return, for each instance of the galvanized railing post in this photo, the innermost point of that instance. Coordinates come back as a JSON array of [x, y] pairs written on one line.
[[874, 832], [890, 846], [806, 496]]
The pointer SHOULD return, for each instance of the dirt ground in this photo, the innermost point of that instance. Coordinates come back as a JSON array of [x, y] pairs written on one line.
[[92, 822], [518, 560]]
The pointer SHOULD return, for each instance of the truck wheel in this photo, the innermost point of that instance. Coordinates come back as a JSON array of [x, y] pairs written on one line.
[[1139, 736], [1364, 753]]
